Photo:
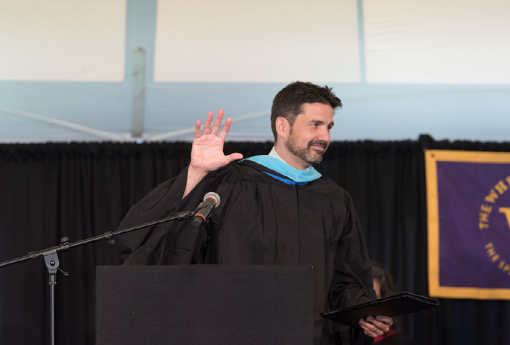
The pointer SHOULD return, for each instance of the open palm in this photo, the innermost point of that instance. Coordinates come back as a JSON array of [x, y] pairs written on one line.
[[207, 150]]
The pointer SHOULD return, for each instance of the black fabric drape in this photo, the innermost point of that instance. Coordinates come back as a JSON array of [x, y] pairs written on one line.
[[49, 191]]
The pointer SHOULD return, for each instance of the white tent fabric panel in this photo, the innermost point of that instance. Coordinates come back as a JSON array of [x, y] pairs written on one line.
[[437, 42], [423, 62], [257, 41], [62, 40]]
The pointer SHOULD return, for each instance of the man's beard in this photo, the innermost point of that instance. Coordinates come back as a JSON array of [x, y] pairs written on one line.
[[307, 154]]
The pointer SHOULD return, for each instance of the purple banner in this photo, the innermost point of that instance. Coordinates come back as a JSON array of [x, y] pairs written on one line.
[[473, 201]]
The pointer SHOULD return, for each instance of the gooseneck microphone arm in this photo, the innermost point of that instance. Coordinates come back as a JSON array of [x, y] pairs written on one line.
[[110, 236], [51, 254]]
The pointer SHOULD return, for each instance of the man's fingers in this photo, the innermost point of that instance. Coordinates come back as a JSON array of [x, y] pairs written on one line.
[[207, 126], [217, 122], [373, 331], [371, 327], [197, 130], [226, 128], [380, 325], [385, 319], [216, 126], [370, 331]]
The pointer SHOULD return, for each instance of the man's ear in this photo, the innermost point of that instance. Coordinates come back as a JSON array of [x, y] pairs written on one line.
[[282, 127]]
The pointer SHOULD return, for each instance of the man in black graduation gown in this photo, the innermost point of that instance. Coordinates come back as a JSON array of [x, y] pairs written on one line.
[[274, 210]]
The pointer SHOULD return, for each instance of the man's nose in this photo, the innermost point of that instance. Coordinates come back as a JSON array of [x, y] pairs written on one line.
[[324, 135]]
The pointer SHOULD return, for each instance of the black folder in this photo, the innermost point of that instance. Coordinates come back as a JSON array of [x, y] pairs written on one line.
[[399, 304]]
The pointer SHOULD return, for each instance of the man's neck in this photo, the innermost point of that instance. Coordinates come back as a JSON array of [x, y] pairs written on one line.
[[287, 157]]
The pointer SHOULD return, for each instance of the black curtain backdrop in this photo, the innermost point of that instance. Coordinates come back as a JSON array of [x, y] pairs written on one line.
[[76, 190]]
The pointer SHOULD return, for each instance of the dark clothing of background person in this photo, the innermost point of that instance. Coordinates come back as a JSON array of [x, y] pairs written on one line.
[[262, 221]]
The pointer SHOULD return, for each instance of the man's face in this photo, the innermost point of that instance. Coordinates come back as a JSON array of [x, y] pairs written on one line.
[[309, 136]]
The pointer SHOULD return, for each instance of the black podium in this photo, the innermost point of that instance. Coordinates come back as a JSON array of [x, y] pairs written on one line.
[[204, 304]]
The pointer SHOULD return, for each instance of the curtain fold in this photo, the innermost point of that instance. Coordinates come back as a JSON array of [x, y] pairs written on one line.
[[79, 190]]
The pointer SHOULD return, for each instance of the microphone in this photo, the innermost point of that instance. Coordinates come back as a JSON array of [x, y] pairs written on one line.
[[211, 200]]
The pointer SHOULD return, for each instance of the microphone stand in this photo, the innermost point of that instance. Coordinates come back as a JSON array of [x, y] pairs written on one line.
[[53, 264]]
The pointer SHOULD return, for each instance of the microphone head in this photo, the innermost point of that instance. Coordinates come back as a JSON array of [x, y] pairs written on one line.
[[214, 196]]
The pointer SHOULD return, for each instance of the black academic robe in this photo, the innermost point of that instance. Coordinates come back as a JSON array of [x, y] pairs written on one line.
[[262, 221]]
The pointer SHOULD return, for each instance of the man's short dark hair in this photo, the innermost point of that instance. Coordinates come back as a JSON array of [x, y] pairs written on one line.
[[287, 103]]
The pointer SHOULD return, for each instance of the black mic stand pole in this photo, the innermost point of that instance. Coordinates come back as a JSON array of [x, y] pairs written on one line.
[[52, 262]]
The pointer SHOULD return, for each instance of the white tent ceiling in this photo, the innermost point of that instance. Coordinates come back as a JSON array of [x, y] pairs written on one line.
[[95, 70]]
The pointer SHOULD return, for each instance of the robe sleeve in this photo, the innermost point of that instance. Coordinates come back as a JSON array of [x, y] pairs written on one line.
[[352, 279], [151, 245], [174, 242]]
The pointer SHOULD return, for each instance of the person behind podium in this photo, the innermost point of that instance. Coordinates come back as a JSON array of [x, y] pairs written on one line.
[[385, 287], [275, 209]]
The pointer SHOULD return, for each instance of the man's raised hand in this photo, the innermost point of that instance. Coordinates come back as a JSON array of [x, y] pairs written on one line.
[[207, 150]]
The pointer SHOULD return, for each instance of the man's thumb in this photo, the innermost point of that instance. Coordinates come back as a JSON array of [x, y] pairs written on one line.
[[234, 156]]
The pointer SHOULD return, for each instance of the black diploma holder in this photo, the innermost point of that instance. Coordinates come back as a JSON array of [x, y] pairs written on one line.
[[399, 304]]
